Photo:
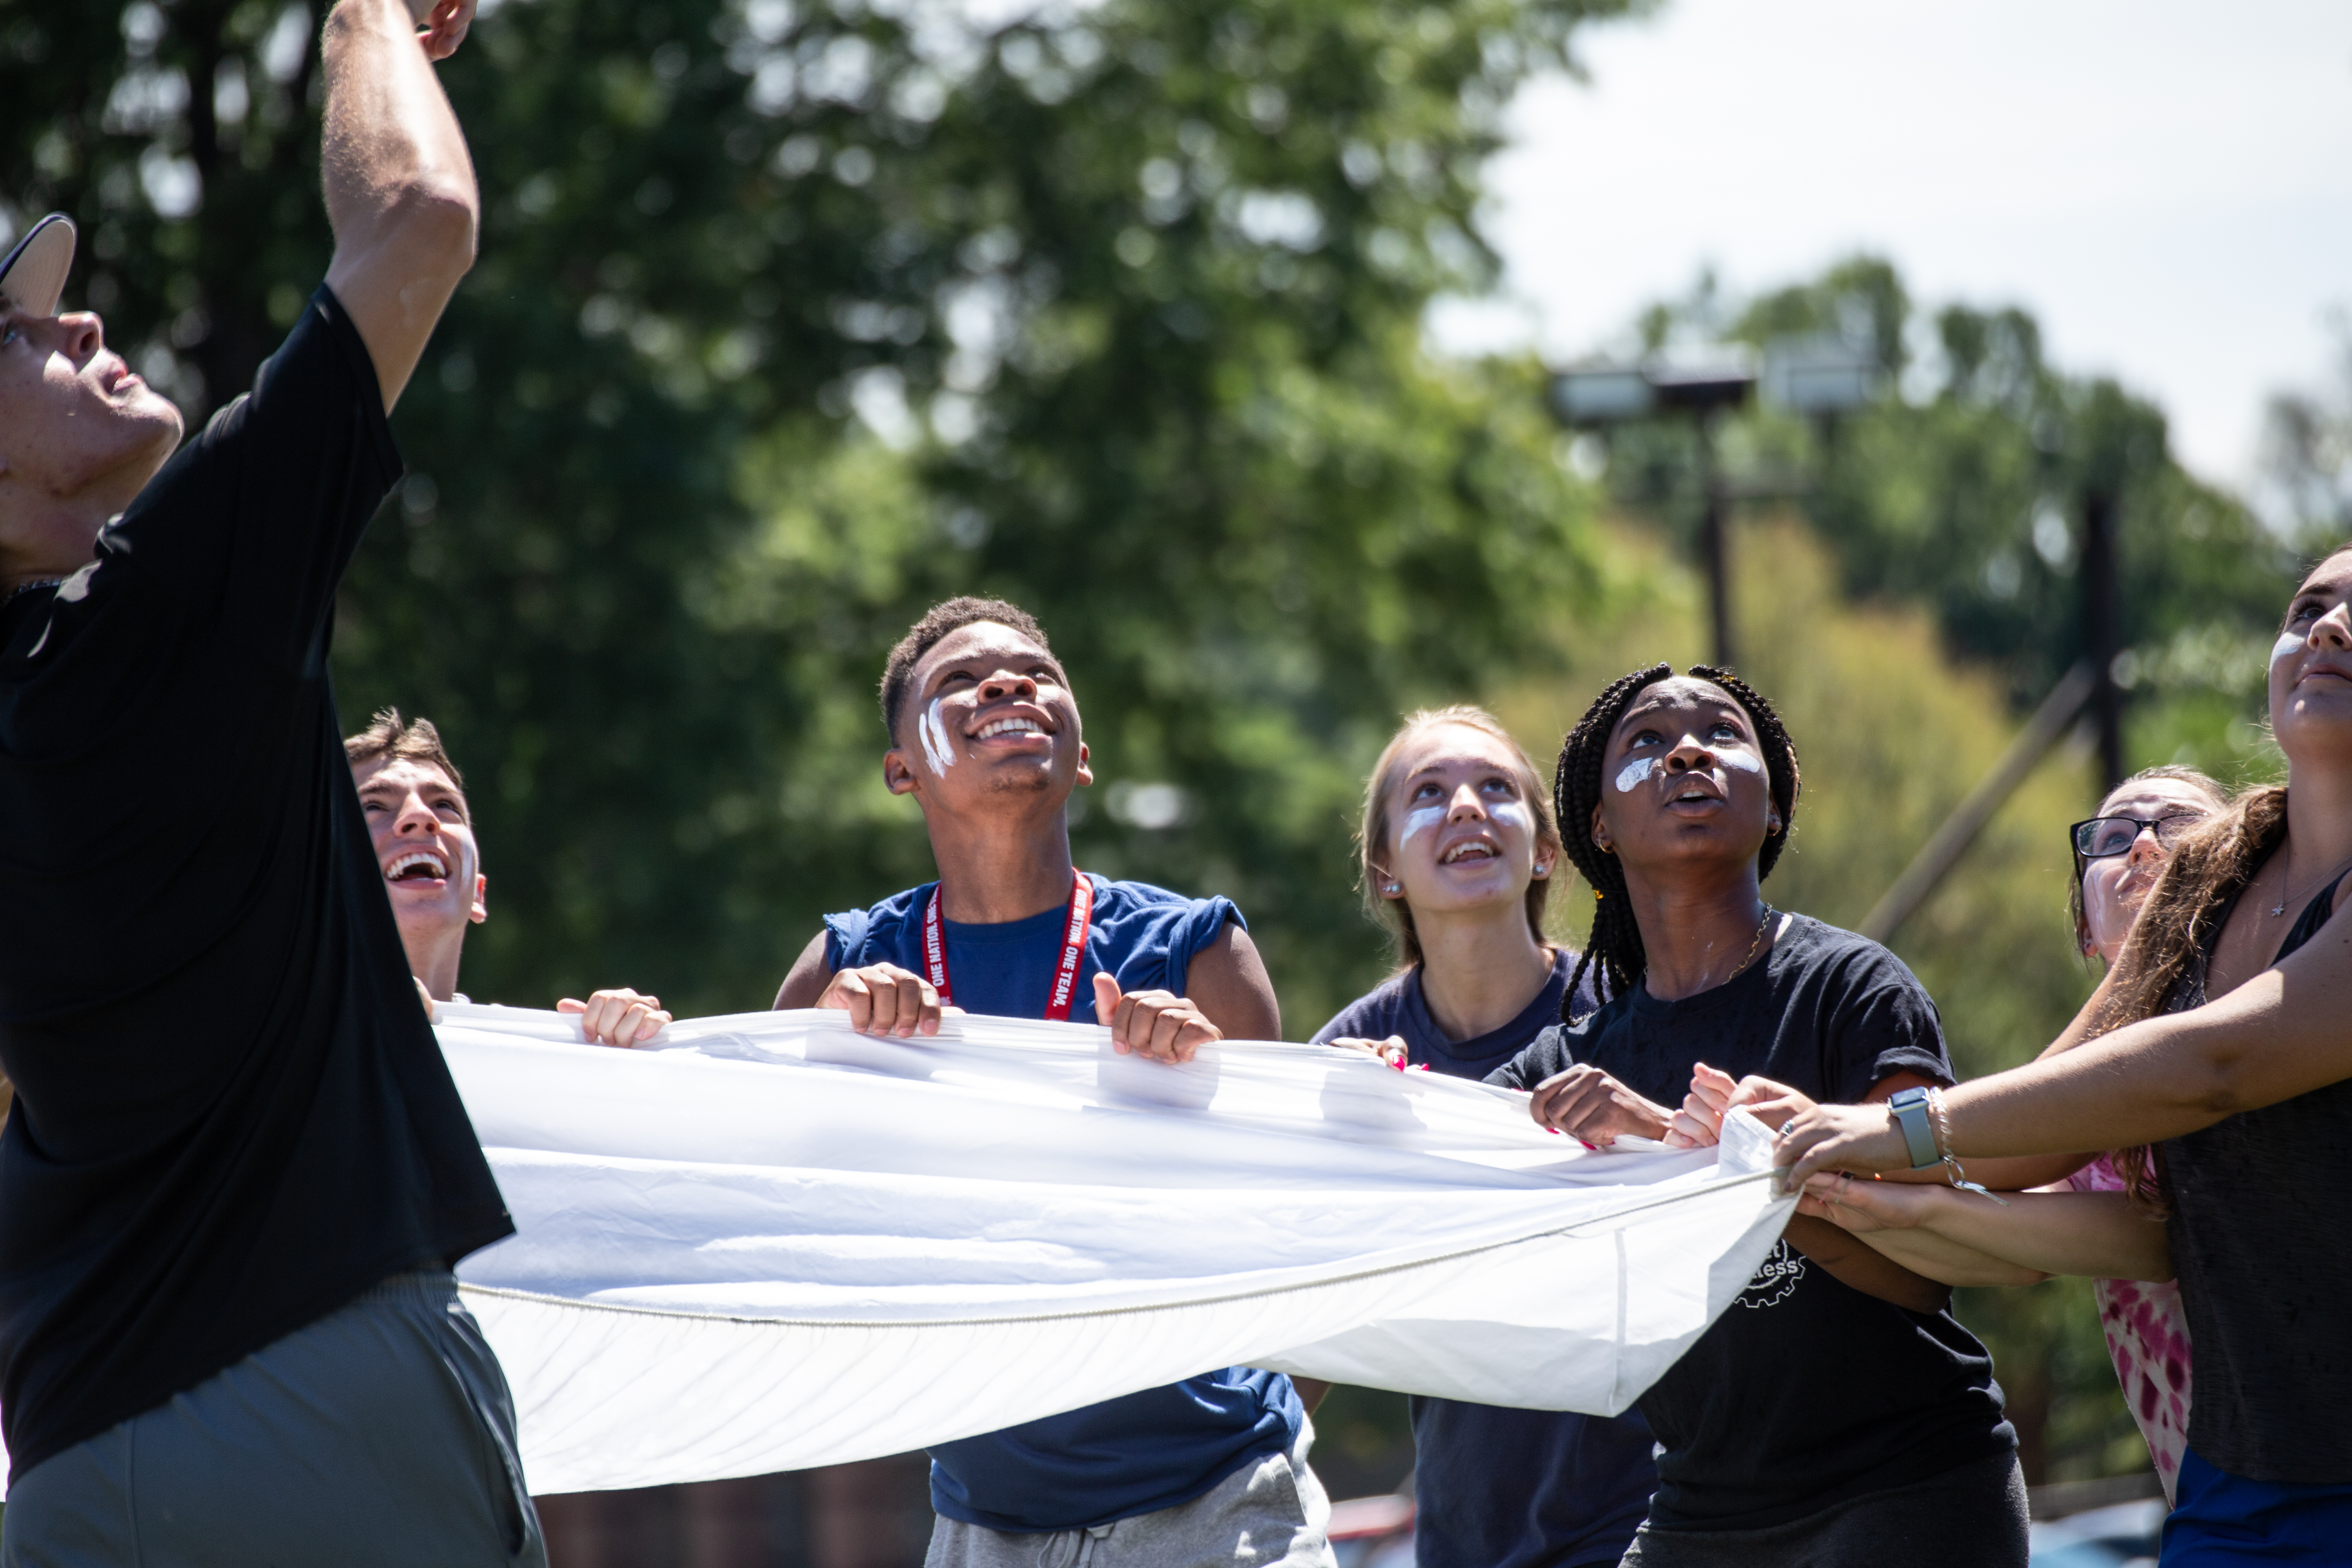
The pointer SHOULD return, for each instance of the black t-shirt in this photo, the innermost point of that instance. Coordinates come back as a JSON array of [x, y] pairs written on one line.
[[1806, 1392], [1499, 1487], [231, 1115]]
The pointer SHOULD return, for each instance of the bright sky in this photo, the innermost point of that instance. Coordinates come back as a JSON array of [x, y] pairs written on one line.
[[2168, 186]]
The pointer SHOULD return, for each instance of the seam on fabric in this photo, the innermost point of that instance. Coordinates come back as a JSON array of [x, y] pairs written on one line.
[[510, 1293], [1617, 1350]]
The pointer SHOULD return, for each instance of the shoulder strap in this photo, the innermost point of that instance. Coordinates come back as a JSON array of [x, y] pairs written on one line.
[[2315, 915]]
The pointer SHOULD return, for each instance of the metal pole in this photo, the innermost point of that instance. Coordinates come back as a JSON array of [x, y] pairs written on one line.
[[2101, 632], [1943, 851], [1712, 544]]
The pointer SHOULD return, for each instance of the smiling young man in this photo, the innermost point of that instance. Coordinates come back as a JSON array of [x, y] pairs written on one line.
[[986, 737], [237, 1172], [413, 801]]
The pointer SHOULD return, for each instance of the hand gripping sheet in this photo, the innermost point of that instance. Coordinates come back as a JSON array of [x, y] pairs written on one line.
[[772, 1243]]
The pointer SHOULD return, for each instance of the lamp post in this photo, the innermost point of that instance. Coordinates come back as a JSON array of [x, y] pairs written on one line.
[[1820, 377], [1599, 396], [2101, 630]]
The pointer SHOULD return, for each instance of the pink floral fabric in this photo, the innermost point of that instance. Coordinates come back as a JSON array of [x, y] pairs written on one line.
[[2147, 1336]]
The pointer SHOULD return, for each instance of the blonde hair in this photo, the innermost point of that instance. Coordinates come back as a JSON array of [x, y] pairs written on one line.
[[1373, 836]]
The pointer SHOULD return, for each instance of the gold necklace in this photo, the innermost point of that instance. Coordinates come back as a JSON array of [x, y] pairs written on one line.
[[1753, 943]]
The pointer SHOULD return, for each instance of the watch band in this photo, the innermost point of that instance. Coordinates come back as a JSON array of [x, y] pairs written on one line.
[[1909, 1109]]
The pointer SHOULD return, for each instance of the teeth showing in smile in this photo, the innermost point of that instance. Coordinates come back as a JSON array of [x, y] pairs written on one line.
[[415, 865], [1472, 850], [1694, 795], [1010, 727]]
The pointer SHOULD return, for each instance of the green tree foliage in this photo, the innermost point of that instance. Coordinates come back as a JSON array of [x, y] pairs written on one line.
[[2306, 457], [1962, 488], [791, 318]]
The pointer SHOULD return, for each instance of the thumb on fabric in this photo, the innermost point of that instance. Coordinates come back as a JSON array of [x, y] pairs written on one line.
[[1105, 998]]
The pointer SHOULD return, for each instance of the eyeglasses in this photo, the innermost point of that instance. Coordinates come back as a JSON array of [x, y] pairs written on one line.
[[2101, 837]]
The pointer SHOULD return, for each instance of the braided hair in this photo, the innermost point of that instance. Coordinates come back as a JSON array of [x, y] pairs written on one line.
[[1615, 944]]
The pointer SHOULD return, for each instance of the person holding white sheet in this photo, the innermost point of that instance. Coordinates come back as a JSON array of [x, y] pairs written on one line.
[[2220, 1035], [2110, 1225], [413, 801], [986, 735], [1458, 853], [1837, 1415]]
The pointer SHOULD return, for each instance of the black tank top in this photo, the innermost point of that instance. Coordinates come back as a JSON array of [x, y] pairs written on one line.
[[2262, 1203]]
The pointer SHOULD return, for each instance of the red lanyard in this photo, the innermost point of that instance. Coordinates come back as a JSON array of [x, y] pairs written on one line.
[[1065, 973]]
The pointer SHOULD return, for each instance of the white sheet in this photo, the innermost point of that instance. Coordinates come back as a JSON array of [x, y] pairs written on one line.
[[772, 1243]]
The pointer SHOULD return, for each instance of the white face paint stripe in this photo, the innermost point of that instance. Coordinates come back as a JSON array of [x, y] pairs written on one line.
[[934, 731], [1635, 772], [1745, 762], [2288, 643], [1420, 818], [1512, 811]]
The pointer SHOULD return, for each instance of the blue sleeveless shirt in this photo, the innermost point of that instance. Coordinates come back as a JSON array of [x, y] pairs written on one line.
[[1141, 1452]]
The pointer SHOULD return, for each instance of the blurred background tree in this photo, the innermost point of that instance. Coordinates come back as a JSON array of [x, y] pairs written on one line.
[[1960, 489], [791, 318]]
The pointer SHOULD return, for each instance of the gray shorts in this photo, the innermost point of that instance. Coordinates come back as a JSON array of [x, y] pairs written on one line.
[[1972, 1517], [381, 1436], [1270, 1511]]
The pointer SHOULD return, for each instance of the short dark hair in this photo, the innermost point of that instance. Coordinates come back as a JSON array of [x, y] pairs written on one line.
[[389, 736], [952, 615]]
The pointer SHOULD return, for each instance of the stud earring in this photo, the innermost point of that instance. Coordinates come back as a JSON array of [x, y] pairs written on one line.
[[1394, 889], [1541, 872]]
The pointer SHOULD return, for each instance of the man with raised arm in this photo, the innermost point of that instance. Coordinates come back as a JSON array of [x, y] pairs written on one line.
[[236, 1172], [985, 735]]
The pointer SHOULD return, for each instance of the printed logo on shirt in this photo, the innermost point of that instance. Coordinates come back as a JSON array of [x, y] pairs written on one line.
[[1776, 1281]]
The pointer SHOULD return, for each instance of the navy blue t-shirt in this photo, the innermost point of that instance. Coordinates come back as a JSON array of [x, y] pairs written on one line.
[[1141, 1452], [1496, 1488]]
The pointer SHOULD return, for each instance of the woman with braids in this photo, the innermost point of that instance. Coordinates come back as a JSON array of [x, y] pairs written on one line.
[[2110, 1225], [1836, 1413], [1458, 848], [2221, 1035]]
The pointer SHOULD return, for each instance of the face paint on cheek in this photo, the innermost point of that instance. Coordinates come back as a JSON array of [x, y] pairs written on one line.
[[1420, 818], [934, 732], [1633, 773], [1745, 761], [2288, 645], [1513, 814]]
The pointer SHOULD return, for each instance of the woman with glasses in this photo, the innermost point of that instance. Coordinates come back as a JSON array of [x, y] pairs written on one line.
[[2223, 1034], [2108, 1223]]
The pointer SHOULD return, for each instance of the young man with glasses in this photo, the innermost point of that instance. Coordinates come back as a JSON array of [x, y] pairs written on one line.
[[237, 1173]]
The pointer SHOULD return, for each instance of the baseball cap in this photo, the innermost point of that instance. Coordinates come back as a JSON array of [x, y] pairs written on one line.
[[33, 278]]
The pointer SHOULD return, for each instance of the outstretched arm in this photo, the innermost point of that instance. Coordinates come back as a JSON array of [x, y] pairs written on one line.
[[1966, 1238], [399, 183], [2280, 1034]]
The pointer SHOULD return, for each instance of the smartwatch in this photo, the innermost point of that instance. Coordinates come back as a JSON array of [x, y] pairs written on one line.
[[1909, 1109]]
